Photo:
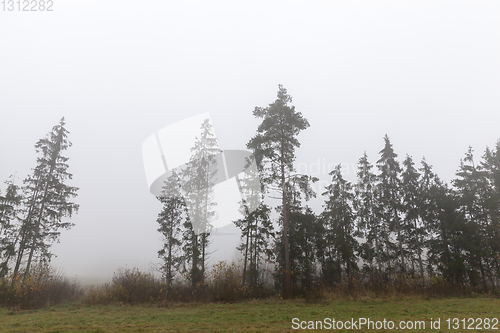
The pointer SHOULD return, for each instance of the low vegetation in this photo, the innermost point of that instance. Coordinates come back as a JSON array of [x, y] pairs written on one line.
[[131, 286], [136, 301], [42, 287], [269, 315]]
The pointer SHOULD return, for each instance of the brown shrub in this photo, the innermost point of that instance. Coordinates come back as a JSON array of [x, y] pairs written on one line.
[[42, 287]]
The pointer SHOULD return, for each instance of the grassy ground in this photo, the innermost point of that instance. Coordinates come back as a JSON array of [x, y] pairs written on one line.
[[254, 316]]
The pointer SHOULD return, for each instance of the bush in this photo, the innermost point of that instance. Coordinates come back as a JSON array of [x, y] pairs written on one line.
[[42, 287], [134, 286], [224, 283], [129, 285]]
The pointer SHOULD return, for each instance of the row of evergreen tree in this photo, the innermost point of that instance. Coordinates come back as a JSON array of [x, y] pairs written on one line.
[[401, 219], [398, 219], [33, 214]]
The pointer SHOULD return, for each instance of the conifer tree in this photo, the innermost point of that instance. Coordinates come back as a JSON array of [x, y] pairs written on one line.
[[302, 232], [447, 233], [256, 232], [472, 188], [47, 199], [412, 224], [274, 148], [171, 220], [491, 169], [9, 213], [368, 224], [339, 221], [198, 180], [256, 226], [390, 201], [303, 237]]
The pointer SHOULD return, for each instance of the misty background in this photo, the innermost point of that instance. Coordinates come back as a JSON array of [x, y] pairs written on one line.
[[427, 73]]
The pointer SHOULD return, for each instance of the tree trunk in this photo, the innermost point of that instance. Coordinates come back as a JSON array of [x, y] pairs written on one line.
[[194, 269], [287, 281], [25, 230], [246, 254]]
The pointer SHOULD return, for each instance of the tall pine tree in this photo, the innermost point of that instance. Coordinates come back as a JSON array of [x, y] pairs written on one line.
[[274, 148]]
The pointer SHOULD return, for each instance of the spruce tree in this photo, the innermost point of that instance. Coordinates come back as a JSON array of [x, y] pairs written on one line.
[[47, 199], [171, 220], [9, 213], [447, 234], [302, 232], [198, 178], [303, 246], [390, 201], [369, 226], [490, 166], [413, 228], [339, 221], [472, 188]]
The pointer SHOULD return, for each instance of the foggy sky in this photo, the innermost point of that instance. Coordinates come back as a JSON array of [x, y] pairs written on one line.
[[427, 73]]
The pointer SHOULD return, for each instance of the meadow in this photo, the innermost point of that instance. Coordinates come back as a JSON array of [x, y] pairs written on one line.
[[268, 315]]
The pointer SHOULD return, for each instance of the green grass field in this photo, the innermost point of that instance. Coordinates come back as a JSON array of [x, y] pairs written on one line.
[[253, 316]]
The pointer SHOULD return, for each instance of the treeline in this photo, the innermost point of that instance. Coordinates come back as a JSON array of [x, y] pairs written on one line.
[[400, 220], [397, 222], [32, 214]]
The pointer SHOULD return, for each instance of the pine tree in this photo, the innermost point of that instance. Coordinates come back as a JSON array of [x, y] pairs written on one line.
[[274, 148], [47, 199]]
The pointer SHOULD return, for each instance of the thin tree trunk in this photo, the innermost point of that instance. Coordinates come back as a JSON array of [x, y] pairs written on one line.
[[287, 282], [246, 255], [377, 248], [25, 230], [194, 269], [483, 278], [419, 250], [169, 261], [37, 225], [204, 242], [400, 242]]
